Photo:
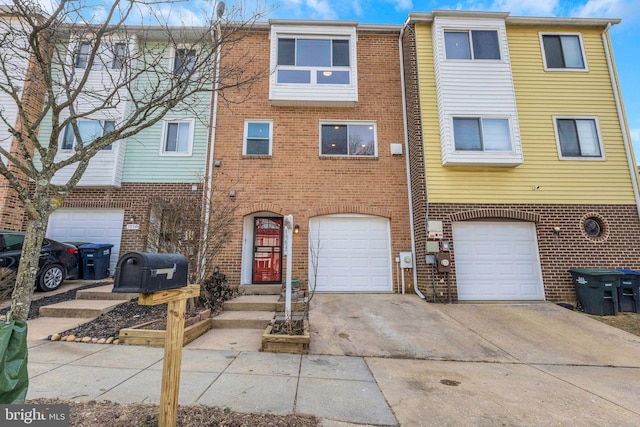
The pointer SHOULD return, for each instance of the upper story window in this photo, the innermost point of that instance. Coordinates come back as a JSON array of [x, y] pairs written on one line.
[[183, 61], [482, 134], [578, 138], [348, 139], [89, 130], [257, 137], [119, 55], [82, 55], [563, 52], [472, 44], [177, 138], [313, 61]]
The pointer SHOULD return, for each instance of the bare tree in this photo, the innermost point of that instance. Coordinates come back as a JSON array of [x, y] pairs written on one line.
[[77, 62]]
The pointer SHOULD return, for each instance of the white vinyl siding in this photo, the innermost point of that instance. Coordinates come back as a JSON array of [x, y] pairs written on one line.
[[497, 261], [474, 88], [323, 90]]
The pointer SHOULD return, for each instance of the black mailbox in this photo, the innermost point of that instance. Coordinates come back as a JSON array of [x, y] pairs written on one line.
[[145, 273]]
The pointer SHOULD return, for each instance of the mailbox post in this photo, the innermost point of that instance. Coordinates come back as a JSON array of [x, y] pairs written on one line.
[[159, 279]]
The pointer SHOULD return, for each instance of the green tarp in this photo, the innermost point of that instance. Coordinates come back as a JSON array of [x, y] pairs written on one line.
[[14, 378]]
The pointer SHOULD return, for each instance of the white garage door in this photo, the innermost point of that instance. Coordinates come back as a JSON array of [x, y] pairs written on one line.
[[88, 225], [497, 261], [353, 255]]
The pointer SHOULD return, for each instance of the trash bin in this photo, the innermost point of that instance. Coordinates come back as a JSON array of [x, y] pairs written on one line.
[[95, 260], [628, 293], [597, 289]]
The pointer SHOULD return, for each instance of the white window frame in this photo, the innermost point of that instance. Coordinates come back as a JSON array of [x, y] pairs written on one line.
[[349, 123], [246, 136], [598, 134], [481, 118], [163, 140], [314, 69], [582, 52], [172, 57], [77, 53], [470, 40], [114, 55], [64, 134]]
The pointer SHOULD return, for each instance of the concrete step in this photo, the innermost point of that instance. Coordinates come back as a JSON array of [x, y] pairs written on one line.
[[242, 320], [260, 289], [229, 339], [103, 293], [79, 308], [252, 303]]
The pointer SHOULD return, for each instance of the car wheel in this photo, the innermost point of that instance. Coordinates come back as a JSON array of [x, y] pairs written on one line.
[[51, 278]]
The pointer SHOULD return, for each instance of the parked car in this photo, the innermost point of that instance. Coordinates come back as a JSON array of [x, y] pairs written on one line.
[[58, 261]]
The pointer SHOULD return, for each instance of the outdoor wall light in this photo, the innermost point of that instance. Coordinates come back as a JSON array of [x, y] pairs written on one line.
[[296, 229], [556, 231], [132, 219], [232, 193]]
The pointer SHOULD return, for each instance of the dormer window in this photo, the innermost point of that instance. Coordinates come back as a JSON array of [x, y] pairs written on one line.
[[313, 61]]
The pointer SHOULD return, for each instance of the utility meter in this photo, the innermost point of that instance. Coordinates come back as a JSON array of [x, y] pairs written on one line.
[[406, 260]]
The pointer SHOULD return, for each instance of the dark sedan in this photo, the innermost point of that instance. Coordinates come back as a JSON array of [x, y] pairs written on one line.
[[58, 261]]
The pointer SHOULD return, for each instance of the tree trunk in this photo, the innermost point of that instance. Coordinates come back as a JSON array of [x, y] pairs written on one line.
[[29, 260]]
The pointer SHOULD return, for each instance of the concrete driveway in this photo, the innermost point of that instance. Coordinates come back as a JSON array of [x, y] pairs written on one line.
[[484, 364]]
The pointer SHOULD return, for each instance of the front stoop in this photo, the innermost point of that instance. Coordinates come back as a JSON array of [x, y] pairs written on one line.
[[103, 293], [252, 303], [79, 308], [242, 320], [260, 289]]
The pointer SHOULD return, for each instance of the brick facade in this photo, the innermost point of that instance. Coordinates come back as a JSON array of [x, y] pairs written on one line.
[[135, 199], [570, 248], [295, 179]]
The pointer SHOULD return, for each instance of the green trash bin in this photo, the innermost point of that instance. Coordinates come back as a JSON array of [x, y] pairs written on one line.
[[597, 289]]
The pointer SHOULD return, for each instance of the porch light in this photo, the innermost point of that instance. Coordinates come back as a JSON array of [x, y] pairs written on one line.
[[296, 229]]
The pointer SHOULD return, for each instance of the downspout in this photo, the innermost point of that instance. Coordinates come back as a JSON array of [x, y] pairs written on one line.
[[217, 38], [613, 74], [406, 150]]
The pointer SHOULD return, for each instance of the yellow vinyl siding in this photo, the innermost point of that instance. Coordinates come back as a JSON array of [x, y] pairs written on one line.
[[540, 95]]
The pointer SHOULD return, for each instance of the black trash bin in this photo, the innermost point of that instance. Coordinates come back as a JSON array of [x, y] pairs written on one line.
[[628, 292], [95, 260], [597, 289]]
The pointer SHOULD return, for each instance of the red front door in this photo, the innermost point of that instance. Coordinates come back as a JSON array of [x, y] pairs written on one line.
[[267, 250]]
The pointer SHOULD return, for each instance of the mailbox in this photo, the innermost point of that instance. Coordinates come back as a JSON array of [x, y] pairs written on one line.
[[145, 273]]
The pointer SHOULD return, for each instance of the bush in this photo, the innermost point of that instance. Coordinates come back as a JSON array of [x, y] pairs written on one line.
[[215, 291]]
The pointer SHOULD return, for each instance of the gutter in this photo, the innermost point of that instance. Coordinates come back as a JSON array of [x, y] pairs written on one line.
[[406, 149], [615, 85]]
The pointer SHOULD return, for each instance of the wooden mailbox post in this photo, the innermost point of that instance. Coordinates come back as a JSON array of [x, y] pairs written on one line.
[[177, 306]]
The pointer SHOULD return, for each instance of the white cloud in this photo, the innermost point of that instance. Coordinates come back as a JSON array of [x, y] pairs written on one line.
[[607, 8], [321, 9], [527, 7], [635, 135]]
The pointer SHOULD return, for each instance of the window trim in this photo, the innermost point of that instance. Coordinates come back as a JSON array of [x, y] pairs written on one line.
[[349, 123], [165, 127], [114, 56], [246, 134], [579, 158], [64, 134], [582, 52], [470, 40], [315, 69], [77, 53], [172, 58], [481, 118]]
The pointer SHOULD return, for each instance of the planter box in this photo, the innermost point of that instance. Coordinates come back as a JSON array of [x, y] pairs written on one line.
[[297, 344], [155, 338]]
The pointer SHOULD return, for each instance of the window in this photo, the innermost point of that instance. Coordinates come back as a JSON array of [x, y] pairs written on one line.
[[89, 130], [313, 61], [119, 55], [82, 55], [473, 44], [578, 138], [257, 138], [178, 137], [348, 140], [183, 61], [563, 51], [481, 134]]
